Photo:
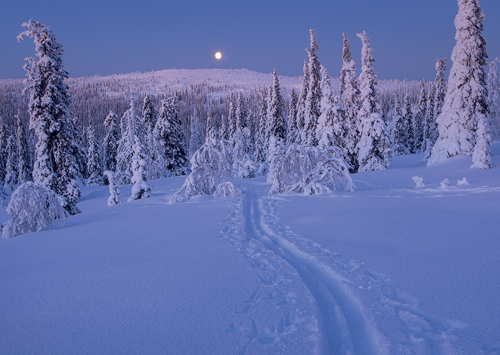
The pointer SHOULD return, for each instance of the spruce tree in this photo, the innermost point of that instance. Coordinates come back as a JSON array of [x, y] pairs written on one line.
[[110, 142], [231, 118], [301, 104], [170, 139], [494, 97], [408, 125], [430, 131], [241, 113], [55, 165], [399, 133], [141, 187], [419, 119], [293, 130], [330, 130], [24, 165], [4, 134], [197, 136], [11, 176], [350, 101], [441, 86], [223, 129], [276, 128], [149, 114], [313, 99], [94, 160], [464, 123], [125, 145], [373, 146], [114, 189]]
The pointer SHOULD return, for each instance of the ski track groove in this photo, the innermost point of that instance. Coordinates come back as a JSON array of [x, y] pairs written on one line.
[[339, 289]]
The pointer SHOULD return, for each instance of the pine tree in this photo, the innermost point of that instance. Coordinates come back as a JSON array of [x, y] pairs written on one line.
[[419, 119], [277, 125], [55, 165], [400, 132], [408, 125], [141, 187], [464, 123], [170, 139], [24, 164], [313, 99], [293, 129], [110, 143], [11, 176], [350, 101], [430, 131], [494, 97], [3, 150], [94, 160], [301, 104], [114, 189], [373, 146]]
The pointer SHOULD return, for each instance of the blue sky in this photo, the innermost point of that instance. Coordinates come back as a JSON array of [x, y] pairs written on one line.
[[109, 36]]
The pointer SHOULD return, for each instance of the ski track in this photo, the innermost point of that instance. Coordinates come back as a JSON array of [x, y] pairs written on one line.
[[311, 299]]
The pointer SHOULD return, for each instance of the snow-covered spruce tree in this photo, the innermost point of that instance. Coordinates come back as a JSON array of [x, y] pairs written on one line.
[[276, 128], [110, 142], [408, 125], [55, 165], [231, 117], [11, 176], [211, 172], [309, 170], [494, 97], [243, 164], [211, 130], [24, 163], [373, 147], [114, 189], [419, 118], [430, 130], [260, 148], [399, 133], [32, 208], [313, 99], [241, 113], [464, 123], [124, 152], [197, 135], [301, 104], [293, 130], [350, 101], [94, 161], [330, 130], [3, 196], [80, 148], [441, 86], [223, 130], [171, 142], [149, 114], [141, 187], [4, 134]]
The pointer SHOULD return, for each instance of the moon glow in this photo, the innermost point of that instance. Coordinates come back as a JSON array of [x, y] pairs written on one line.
[[218, 55]]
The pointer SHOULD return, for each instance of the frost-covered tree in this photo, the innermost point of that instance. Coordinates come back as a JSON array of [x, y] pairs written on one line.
[[430, 131], [330, 130], [125, 145], [313, 99], [441, 86], [171, 142], [80, 148], [211, 172], [399, 132], [110, 142], [55, 165], [141, 187], [32, 208], [292, 124], [231, 118], [243, 164], [309, 170], [197, 136], [464, 123], [408, 125], [94, 161], [4, 134], [494, 97], [211, 130], [114, 189], [301, 104], [24, 159], [260, 152], [350, 101], [241, 113], [419, 118], [12, 175], [149, 114], [373, 147], [223, 130]]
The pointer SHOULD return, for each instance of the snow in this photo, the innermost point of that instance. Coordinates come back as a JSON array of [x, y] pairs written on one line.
[[385, 269]]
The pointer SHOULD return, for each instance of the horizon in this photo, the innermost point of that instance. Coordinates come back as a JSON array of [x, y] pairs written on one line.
[[407, 37]]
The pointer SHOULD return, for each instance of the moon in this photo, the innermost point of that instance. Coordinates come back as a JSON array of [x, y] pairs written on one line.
[[218, 55]]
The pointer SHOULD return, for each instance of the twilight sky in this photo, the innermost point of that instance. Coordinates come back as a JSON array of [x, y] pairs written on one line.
[[103, 37]]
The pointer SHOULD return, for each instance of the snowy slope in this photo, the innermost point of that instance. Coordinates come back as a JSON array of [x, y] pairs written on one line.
[[386, 269]]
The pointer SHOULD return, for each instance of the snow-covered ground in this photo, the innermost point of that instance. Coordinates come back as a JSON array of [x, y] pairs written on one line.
[[386, 269]]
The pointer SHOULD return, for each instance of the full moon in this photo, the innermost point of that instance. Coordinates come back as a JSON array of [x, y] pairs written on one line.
[[218, 55]]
